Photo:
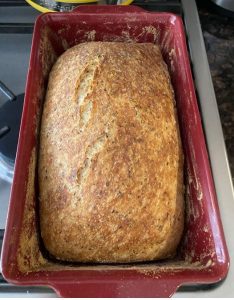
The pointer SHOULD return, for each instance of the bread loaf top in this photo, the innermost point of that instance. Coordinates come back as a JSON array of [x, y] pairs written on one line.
[[110, 159]]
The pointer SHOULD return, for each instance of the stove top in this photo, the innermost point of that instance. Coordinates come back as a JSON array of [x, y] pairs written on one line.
[[10, 116], [16, 27]]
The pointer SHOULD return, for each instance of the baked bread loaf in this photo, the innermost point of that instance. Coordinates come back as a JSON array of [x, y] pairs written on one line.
[[110, 159]]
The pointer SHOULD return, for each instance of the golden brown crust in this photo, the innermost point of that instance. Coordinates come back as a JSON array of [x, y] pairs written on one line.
[[111, 163]]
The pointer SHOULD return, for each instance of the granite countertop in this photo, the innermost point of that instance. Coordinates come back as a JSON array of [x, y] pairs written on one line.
[[218, 32]]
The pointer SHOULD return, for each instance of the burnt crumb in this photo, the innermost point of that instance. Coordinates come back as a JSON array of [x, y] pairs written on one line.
[[119, 194], [160, 227], [129, 173]]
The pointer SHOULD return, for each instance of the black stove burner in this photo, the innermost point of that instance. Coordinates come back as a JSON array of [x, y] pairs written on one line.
[[10, 116]]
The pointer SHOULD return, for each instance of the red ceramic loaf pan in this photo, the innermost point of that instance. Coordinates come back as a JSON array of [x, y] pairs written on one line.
[[202, 257]]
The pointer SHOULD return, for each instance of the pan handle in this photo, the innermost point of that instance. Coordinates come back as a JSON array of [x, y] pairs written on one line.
[[143, 288], [100, 9]]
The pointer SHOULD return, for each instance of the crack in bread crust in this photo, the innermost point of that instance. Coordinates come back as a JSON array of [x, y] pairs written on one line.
[[91, 153]]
